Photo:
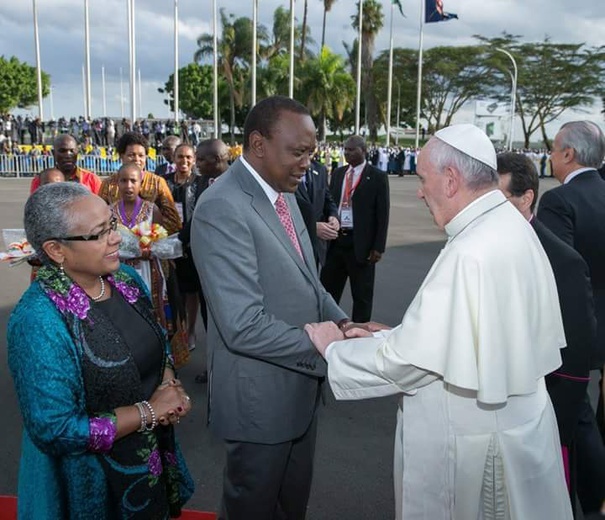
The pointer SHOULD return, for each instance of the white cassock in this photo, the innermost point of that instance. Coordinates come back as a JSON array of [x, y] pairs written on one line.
[[476, 433]]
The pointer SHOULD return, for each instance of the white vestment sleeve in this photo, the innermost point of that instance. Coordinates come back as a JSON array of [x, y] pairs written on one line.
[[356, 370]]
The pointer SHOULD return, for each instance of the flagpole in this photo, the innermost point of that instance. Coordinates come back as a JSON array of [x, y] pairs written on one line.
[[52, 109], [104, 91], [121, 95], [292, 21], [419, 91], [358, 98], [140, 97], [390, 81], [133, 61], [254, 49], [84, 91], [176, 61], [398, 112], [215, 69], [87, 54], [38, 67]]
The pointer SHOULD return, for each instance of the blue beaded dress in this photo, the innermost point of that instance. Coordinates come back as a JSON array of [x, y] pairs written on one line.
[[59, 476]]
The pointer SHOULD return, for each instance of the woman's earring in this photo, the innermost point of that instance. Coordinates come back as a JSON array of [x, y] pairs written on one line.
[[61, 270]]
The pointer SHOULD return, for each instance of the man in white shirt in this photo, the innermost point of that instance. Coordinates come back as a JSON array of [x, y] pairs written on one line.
[[476, 433]]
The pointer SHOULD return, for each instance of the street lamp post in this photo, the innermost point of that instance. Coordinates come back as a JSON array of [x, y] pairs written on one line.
[[513, 96]]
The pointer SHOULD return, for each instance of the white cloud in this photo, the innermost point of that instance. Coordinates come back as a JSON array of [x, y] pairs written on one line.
[[62, 36]]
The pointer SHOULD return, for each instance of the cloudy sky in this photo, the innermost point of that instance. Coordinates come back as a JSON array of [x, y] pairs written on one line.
[[61, 26]]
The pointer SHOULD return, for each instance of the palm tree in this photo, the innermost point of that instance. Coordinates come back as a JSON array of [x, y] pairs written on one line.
[[372, 23], [327, 7], [327, 88], [279, 38], [235, 52], [301, 55]]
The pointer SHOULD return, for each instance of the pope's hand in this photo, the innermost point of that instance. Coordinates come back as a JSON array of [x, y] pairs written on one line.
[[357, 332], [322, 334], [369, 326]]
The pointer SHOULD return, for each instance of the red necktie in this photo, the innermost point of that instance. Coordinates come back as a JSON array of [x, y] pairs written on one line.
[[286, 220]]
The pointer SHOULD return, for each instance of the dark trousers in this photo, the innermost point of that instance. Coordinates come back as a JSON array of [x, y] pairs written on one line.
[[268, 481], [590, 460], [342, 264]]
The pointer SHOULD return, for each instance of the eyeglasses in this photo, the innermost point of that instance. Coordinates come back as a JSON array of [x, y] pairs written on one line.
[[113, 225]]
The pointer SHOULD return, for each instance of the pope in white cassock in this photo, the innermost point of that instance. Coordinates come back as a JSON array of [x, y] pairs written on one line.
[[476, 433]]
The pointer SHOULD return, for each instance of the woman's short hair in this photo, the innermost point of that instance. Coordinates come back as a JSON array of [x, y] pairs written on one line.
[[129, 139], [48, 214]]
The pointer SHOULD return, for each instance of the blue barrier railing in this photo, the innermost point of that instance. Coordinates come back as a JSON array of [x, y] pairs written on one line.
[[28, 166]]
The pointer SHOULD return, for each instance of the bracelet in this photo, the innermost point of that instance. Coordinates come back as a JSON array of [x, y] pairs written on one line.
[[143, 416], [154, 419]]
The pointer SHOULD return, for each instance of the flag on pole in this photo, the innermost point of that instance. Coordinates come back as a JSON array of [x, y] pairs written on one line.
[[398, 4], [434, 12]]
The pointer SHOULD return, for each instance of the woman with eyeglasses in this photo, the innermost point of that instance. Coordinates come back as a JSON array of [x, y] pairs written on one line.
[[96, 388]]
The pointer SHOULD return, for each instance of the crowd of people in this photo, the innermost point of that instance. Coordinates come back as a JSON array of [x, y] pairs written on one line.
[[103, 131], [491, 360]]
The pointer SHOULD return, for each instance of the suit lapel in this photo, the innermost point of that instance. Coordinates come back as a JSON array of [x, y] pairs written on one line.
[[365, 177], [262, 205]]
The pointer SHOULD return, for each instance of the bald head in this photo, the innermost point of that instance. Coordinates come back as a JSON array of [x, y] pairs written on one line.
[[355, 150], [51, 175], [65, 153], [212, 157]]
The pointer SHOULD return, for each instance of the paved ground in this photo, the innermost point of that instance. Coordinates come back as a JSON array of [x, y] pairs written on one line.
[[353, 462]]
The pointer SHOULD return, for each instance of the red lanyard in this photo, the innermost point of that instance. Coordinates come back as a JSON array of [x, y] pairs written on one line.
[[349, 188]]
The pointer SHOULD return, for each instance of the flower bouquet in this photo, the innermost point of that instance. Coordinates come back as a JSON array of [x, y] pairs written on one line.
[[153, 238], [18, 249]]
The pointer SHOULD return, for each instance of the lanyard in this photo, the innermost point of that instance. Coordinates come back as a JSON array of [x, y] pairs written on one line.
[[349, 188]]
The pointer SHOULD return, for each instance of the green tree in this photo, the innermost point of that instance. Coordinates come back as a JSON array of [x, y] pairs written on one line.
[[278, 41], [195, 91], [235, 52], [405, 72], [452, 76], [372, 23], [552, 78], [327, 8], [326, 88], [19, 84]]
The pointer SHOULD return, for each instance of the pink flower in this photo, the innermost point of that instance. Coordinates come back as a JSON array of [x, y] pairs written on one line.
[[155, 463]]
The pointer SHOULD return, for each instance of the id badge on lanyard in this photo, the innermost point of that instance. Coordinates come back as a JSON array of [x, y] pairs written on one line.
[[346, 217]]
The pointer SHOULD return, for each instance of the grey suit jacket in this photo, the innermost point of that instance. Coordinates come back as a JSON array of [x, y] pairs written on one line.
[[264, 373]]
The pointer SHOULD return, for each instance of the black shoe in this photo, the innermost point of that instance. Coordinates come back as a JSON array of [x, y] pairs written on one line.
[[202, 378]]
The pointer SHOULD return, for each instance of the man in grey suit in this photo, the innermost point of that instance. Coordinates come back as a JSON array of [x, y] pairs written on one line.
[[257, 269]]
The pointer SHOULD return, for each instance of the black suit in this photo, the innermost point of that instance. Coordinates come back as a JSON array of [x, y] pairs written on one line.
[[567, 385], [162, 170], [316, 205], [348, 255], [201, 183], [575, 212]]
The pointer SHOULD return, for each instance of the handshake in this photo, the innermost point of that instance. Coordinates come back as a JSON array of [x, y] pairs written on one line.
[[323, 334]]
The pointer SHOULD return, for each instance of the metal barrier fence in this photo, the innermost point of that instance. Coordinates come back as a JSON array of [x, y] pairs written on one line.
[[28, 165]]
